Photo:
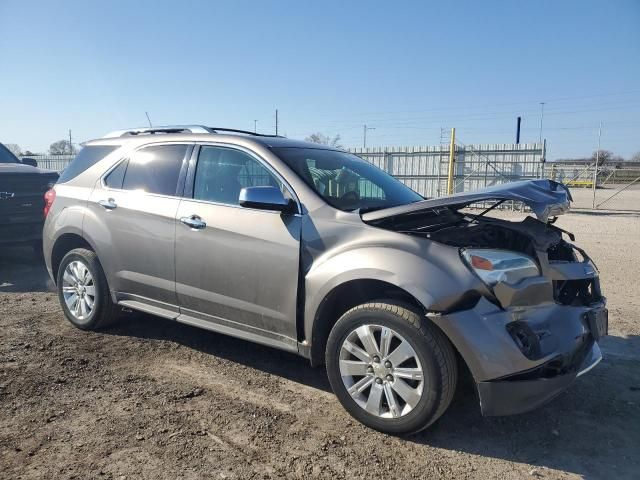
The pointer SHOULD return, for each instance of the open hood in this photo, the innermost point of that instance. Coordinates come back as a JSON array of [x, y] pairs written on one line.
[[546, 198]]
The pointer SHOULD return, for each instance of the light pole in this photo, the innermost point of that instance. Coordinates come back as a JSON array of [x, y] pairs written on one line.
[[364, 129], [595, 167], [541, 117], [255, 126]]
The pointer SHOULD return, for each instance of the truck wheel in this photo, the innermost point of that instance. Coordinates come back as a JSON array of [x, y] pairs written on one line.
[[83, 291], [390, 367]]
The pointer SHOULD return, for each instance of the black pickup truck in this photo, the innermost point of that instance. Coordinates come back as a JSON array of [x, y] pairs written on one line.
[[22, 189]]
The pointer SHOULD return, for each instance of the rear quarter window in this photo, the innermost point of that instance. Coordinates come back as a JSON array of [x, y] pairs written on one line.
[[87, 158]]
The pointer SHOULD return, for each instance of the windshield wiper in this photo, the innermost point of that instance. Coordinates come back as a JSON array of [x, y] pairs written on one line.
[[382, 207], [362, 210]]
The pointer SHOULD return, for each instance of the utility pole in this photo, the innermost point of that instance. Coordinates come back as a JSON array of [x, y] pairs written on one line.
[[595, 168], [518, 130], [70, 144], [364, 140], [276, 121], [541, 118], [255, 126], [148, 119]]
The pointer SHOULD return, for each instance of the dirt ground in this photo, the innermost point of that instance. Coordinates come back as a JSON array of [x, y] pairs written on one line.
[[155, 399]]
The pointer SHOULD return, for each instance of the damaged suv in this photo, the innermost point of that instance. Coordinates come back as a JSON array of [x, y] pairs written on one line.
[[313, 250]]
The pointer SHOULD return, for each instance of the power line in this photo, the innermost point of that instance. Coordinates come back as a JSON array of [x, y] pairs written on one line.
[[437, 120], [467, 107]]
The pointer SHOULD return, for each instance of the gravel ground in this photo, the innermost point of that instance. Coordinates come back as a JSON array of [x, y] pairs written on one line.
[[154, 399]]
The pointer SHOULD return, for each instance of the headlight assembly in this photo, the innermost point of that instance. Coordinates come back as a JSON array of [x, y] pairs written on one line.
[[500, 266]]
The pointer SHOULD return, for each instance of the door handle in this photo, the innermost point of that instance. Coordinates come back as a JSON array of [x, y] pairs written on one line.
[[108, 204], [194, 221]]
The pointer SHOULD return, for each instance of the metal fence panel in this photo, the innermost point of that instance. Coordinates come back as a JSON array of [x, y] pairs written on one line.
[[425, 168], [52, 162]]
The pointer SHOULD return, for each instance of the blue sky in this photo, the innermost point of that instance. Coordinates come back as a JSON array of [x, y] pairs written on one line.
[[405, 68]]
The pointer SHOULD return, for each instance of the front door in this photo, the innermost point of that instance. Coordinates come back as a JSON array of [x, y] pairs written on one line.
[[236, 266]]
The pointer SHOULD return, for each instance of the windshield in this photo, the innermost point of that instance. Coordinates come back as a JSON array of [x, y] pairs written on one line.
[[346, 181], [6, 156]]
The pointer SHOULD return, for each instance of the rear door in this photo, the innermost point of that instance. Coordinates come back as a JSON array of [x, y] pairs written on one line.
[[136, 205], [240, 268]]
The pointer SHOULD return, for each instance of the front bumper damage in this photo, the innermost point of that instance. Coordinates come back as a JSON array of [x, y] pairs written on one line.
[[509, 397], [534, 341]]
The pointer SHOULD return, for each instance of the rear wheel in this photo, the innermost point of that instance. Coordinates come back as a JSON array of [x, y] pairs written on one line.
[[83, 291], [390, 368]]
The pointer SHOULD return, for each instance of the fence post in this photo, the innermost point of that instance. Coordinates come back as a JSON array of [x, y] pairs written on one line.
[[452, 147]]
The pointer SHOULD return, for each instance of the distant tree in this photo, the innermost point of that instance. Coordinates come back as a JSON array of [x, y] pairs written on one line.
[[605, 156], [14, 148], [62, 147], [325, 140], [635, 157], [29, 153]]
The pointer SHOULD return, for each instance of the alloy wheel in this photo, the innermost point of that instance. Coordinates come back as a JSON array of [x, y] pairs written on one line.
[[381, 371], [78, 290]]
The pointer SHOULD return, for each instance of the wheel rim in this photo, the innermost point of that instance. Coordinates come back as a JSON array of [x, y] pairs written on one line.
[[78, 290], [381, 371]]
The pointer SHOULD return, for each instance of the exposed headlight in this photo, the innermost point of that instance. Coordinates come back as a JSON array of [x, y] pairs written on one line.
[[500, 266]]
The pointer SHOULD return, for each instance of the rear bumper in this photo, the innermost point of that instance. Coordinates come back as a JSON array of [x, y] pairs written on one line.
[[510, 397]]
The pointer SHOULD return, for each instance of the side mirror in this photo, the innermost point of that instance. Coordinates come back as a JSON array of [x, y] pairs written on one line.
[[265, 198], [30, 161]]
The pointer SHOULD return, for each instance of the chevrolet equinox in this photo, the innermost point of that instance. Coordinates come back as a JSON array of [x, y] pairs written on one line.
[[313, 250]]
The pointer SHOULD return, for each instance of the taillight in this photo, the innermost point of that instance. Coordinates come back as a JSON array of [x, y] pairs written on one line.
[[49, 197]]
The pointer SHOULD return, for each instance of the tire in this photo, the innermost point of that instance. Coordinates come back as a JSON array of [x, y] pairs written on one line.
[[103, 311], [433, 355]]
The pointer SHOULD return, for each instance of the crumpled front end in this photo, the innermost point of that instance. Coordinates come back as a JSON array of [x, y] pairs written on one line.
[[535, 327], [533, 339]]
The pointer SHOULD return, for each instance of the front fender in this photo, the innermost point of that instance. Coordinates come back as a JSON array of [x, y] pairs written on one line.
[[434, 275]]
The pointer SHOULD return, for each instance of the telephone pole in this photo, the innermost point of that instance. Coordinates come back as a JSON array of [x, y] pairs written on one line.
[[364, 140], [70, 144], [255, 126], [276, 121]]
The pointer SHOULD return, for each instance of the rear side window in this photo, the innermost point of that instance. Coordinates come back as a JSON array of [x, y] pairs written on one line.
[[155, 169], [87, 157], [116, 177]]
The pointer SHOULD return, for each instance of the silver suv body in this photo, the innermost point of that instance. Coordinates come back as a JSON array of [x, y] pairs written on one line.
[[315, 251]]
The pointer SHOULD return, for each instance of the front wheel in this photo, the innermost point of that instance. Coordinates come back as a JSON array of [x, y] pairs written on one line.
[[390, 368]]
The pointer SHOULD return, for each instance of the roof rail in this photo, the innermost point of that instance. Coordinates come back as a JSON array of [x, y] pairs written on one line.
[[246, 132], [180, 129], [153, 130]]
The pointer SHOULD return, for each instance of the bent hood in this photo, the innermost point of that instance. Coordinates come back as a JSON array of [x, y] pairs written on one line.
[[546, 198]]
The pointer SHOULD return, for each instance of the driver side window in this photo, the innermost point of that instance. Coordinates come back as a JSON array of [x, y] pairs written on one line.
[[222, 172]]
